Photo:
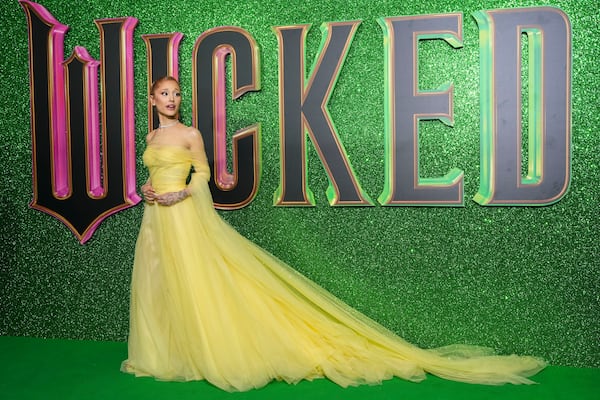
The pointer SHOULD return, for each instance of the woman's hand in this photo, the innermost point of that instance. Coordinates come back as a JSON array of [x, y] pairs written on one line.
[[168, 199], [148, 192]]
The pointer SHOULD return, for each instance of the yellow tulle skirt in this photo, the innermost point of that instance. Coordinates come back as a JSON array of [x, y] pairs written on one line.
[[206, 303]]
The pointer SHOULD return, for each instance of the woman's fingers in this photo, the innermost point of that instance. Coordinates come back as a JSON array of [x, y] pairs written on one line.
[[149, 194]]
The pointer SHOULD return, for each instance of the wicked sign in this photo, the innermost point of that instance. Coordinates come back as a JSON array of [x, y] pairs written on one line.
[[84, 157]]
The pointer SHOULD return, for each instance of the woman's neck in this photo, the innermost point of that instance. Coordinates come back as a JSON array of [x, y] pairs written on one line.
[[167, 122]]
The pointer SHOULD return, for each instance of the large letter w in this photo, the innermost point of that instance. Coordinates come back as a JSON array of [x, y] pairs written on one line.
[[73, 179]]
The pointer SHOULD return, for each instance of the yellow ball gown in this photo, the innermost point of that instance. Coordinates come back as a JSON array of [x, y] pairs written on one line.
[[206, 303]]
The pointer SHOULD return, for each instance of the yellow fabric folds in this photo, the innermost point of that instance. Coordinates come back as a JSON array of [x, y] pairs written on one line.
[[206, 303]]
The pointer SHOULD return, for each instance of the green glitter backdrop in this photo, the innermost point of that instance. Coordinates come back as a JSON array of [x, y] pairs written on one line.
[[520, 279]]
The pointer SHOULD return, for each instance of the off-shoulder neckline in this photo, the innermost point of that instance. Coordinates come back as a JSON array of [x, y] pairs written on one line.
[[181, 146]]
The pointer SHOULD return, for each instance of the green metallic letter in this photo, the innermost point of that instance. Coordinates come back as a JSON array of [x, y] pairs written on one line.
[[406, 106], [549, 99]]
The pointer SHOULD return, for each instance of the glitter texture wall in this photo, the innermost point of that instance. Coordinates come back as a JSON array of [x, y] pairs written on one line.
[[519, 279]]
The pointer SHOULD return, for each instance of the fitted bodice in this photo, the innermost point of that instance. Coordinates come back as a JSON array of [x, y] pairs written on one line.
[[169, 167]]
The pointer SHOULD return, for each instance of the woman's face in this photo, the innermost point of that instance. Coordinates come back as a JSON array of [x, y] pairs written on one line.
[[167, 98]]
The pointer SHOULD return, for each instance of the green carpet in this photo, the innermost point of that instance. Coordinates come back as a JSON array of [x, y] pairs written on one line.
[[64, 369]]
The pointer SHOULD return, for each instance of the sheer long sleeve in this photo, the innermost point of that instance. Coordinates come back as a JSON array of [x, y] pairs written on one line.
[[201, 173]]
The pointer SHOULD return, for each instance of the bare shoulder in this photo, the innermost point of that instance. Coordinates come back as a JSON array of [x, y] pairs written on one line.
[[194, 138], [150, 136], [190, 131]]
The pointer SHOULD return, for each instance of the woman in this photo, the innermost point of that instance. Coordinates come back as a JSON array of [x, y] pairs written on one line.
[[207, 303]]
